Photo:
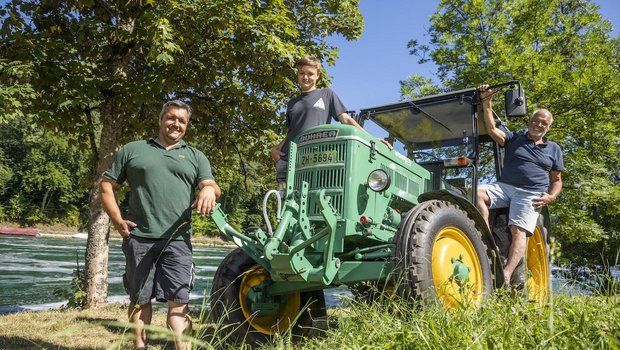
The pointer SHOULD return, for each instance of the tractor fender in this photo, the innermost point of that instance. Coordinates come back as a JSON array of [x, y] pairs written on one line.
[[546, 219], [459, 200]]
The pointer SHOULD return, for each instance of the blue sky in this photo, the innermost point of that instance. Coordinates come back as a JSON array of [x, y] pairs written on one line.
[[368, 71]]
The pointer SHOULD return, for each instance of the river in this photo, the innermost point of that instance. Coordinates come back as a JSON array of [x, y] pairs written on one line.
[[31, 268]]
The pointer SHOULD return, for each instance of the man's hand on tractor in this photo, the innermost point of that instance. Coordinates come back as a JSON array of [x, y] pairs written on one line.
[[205, 201], [486, 93], [276, 153], [387, 143]]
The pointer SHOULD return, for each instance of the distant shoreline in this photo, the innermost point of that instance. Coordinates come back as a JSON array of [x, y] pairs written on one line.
[[63, 231]]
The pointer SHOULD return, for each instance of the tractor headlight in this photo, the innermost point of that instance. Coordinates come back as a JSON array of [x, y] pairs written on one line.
[[378, 180]]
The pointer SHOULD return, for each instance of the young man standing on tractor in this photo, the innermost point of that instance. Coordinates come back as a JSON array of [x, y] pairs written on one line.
[[310, 108], [531, 177]]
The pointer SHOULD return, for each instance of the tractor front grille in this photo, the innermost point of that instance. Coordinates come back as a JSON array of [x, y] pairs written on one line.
[[329, 176]]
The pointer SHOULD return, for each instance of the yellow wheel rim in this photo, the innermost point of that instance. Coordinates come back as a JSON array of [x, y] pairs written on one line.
[[269, 324], [450, 243], [538, 270]]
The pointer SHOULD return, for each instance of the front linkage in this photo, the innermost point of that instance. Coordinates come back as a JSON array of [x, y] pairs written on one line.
[[285, 259]]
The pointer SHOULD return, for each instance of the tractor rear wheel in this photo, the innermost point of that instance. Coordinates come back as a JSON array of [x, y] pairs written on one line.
[[538, 282], [236, 301], [533, 276], [440, 256]]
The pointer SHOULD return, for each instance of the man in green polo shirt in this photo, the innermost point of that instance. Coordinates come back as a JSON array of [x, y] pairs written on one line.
[[163, 175]]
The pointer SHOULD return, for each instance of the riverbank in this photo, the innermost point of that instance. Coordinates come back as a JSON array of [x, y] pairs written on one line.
[[60, 230], [506, 322]]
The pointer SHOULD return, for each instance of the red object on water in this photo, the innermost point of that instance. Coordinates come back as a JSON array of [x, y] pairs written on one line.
[[19, 231]]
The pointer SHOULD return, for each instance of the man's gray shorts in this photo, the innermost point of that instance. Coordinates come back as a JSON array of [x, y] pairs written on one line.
[[521, 210], [158, 268]]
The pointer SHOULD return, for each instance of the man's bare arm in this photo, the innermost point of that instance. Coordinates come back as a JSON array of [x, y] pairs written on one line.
[[276, 151], [345, 118], [208, 194], [108, 200], [487, 116]]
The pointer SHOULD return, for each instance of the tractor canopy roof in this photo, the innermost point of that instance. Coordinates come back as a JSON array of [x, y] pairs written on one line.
[[430, 122]]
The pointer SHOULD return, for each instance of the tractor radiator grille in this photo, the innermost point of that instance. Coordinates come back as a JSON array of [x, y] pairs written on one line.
[[327, 176]]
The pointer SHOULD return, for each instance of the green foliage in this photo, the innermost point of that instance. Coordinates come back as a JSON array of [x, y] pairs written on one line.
[[5, 173], [246, 180], [16, 93], [505, 322], [417, 86], [46, 176], [599, 202], [75, 294], [99, 71], [232, 60], [562, 53]]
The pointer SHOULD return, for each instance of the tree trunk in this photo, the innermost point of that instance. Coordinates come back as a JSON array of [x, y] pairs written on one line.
[[44, 201], [96, 259], [97, 245]]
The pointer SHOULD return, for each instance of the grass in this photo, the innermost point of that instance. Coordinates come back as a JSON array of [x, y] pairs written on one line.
[[505, 322], [70, 329]]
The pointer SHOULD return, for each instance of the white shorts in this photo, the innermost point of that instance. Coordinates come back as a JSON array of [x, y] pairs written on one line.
[[521, 211]]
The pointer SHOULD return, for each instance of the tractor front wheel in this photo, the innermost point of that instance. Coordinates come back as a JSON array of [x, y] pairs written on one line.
[[244, 311], [440, 256]]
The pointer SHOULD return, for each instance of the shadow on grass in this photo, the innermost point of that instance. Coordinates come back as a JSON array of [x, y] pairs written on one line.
[[105, 322], [124, 329], [19, 343]]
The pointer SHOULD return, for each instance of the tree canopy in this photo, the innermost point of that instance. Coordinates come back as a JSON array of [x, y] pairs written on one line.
[[98, 72], [563, 54], [231, 59]]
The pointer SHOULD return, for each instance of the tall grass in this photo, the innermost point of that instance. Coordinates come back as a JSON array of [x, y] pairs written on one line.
[[504, 322]]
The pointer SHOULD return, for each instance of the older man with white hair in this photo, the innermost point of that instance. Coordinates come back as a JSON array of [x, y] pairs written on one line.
[[531, 177]]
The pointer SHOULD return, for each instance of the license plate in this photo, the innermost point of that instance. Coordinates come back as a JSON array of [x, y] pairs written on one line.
[[316, 158]]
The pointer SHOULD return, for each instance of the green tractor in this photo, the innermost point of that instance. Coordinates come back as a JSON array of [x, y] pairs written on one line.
[[356, 213]]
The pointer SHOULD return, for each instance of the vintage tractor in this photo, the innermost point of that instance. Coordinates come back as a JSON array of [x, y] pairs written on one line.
[[357, 213]]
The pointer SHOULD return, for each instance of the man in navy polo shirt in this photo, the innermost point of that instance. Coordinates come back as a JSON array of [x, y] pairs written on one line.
[[531, 177], [167, 179]]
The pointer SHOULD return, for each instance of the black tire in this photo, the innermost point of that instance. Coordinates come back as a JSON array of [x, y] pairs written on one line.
[[428, 238], [235, 325]]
